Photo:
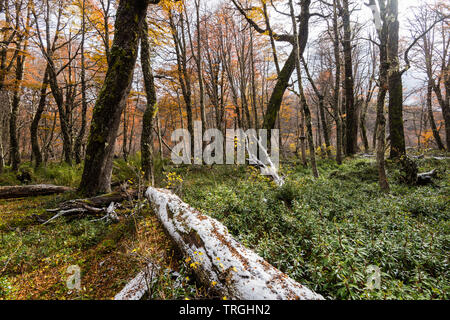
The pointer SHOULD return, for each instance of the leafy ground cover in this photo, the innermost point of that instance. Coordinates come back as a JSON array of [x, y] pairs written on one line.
[[326, 233], [34, 258]]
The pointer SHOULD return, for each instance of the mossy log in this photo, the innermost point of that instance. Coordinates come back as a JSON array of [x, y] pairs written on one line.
[[99, 201], [9, 192], [218, 261]]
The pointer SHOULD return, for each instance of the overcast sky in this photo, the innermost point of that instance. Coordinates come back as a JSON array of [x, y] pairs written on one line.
[[362, 16]]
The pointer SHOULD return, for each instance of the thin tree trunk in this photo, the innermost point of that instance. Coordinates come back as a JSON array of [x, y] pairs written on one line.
[[81, 133], [303, 102], [36, 150], [337, 86], [434, 129], [14, 142], [351, 127], [362, 125], [149, 113]]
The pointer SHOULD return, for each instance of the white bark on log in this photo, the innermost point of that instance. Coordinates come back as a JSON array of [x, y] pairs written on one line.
[[218, 260], [8, 192], [139, 285]]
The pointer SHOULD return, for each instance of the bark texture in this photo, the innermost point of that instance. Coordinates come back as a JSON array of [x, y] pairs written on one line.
[[109, 106], [31, 190], [149, 113], [285, 74], [351, 127], [239, 273], [396, 129]]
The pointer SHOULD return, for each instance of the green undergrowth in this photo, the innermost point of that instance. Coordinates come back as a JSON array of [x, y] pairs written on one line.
[[52, 173], [34, 258], [325, 233], [328, 233]]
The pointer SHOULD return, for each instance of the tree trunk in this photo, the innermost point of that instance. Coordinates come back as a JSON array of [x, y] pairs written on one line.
[[81, 133], [36, 150], [237, 272], [362, 125], [149, 113], [383, 87], [303, 102], [434, 129], [276, 97], [337, 86], [183, 73], [109, 106], [14, 142], [396, 129], [351, 127]]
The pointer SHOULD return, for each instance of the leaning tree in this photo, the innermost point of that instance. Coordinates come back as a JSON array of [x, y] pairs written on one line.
[[109, 106]]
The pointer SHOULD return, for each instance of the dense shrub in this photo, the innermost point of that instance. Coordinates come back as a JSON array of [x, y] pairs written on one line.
[[325, 233]]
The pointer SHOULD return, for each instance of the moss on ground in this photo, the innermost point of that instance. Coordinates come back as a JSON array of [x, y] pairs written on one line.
[[324, 233], [34, 258]]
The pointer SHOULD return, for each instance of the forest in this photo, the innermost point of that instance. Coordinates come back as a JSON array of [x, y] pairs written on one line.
[[224, 150]]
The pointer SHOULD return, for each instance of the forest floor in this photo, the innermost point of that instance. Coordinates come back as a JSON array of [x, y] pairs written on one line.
[[324, 233]]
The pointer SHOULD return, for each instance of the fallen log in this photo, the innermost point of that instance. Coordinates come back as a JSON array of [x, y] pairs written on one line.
[[267, 167], [426, 177], [145, 281], [139, 285], [218, 261], [33, 190], [99, 201]]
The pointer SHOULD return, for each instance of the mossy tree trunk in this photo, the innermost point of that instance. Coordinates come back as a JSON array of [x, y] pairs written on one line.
[[109, 106], [36, 150], [351, 119], [383, 87], [149, 113], [396, 129], [276, 97], [285, 74], [434, 129]]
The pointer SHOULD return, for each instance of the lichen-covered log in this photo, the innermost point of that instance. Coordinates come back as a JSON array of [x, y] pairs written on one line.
[[219, 261], [8, 192]]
